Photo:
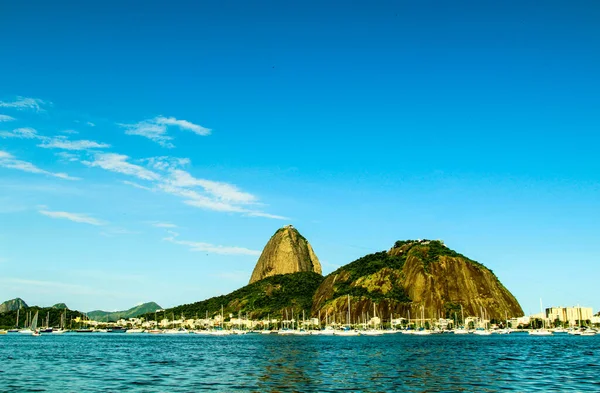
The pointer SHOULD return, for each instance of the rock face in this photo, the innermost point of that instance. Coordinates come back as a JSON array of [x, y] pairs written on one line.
[[421, 277], [286, 252], [12, 305]]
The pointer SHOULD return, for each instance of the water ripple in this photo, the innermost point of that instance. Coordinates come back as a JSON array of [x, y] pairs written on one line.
[[150, 363]]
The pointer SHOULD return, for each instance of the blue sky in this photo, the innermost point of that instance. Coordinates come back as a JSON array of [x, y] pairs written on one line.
[[149, 151]]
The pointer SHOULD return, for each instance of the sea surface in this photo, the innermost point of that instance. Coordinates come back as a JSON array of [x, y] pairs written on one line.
[[259, 363]]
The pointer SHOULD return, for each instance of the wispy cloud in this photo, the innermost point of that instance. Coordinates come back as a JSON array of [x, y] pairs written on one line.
[[22, 103], [211, 248], [118, 163], [70, 132], [201, 193], [6, 118], [156, 129], [63, 143], [136, 185], [75, 217], [89, 123], [221, 191], [7, 160], [184, 125], [150, 130], [21, 133], [166, 163], [66, 156]]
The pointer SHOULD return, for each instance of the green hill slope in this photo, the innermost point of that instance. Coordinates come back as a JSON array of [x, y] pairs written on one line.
[[112, 316], [272, 295]]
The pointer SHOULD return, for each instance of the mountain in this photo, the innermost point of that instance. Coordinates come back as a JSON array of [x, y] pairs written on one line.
[[112, 316], [414, 276], [286, 252], [12, 305], [273, 295], [60, 306]]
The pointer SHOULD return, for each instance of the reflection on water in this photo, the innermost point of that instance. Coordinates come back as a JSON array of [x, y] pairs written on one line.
[[148, 363]]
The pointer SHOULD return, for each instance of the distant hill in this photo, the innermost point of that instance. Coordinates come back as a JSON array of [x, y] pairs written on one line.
[[60, 306], [11, 305], [112, 316], [273, 295]]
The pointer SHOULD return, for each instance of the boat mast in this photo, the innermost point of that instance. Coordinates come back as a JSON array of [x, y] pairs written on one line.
[[348, 320]]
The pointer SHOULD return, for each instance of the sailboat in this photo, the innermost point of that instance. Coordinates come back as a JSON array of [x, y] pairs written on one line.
[[347, 331], [542, 331], [220, 331], [27, 328], [34, 322], [373, 331], [482, 330], [462, 329], [422, 331], [63, 322]]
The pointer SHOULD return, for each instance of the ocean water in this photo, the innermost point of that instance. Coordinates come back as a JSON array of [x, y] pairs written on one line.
[[258, 363]]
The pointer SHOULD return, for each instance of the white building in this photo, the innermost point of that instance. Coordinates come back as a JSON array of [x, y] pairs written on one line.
[[571, 315]]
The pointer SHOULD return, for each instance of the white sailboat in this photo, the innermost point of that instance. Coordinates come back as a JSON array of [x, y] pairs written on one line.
[[373, 331], [347, 331], [422, 331], [542, 331], [461, 329], [34, 322]]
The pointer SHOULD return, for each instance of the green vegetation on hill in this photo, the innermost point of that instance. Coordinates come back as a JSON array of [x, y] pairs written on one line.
[[272, 295], [8, 320], [60, 306], [108, 316], [13, 304], [429, 251], [367, 266]]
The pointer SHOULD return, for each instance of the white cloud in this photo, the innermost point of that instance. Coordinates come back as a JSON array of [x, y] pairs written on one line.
[[184, 125], [222, 191], [25, 103], [7, 160], [6, 118], [210, 195], [152, 131], [75, 217], [62, 143], [156, 129], [137, 185], [165, 163], [252, 213], [163, 225], [118, 163], [21, 133], [67, 156], [211, 248], [69, 132], [89, 123]]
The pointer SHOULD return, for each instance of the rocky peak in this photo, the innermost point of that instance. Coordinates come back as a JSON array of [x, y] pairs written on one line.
[[12, 305], [286, 252]]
